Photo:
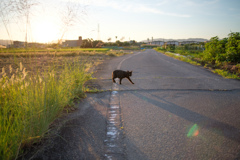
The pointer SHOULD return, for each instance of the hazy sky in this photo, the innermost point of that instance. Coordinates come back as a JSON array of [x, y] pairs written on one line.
[[128, 19]]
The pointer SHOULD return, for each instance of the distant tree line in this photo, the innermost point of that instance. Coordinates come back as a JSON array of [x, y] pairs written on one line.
[[121, 44], [90, 43]]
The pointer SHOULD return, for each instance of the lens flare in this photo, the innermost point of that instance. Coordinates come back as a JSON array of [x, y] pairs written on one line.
[[194, 131]]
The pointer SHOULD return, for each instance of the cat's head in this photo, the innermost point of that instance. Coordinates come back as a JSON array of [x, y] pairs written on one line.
[[129, 73]]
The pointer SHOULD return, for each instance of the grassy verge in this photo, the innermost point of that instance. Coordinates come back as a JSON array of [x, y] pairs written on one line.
[[225, 74], [30, 103], [34, 90], [63, 53], [182, 58], [195, 59]]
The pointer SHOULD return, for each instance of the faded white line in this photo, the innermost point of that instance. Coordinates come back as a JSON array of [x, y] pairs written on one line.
[[113, 142], [120, 64]]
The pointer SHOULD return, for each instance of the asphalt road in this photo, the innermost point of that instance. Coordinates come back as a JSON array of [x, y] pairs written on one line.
[[175, 110]]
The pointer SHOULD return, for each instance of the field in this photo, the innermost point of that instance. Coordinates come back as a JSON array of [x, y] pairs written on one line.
[[49, 50], [36, 86]]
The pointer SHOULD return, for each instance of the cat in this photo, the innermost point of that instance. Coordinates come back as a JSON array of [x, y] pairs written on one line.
[[121, 74]]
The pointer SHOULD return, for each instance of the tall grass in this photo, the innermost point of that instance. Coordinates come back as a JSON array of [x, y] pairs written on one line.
[[182, 58], [30, 103]]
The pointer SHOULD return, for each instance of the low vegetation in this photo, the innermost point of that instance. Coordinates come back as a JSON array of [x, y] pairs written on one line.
[[35, 88], [51, 50], [223, 56]]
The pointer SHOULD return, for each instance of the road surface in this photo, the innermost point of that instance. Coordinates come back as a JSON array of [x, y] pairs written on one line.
[[173, 111]]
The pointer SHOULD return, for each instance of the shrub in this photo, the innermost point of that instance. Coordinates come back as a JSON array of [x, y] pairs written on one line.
[[233, 47], [215, 50]]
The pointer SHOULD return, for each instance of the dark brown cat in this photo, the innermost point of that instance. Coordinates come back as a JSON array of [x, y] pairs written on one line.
[[121, 74]]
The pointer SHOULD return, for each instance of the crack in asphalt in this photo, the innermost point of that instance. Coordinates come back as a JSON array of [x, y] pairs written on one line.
[[211, 90], [114, 147]]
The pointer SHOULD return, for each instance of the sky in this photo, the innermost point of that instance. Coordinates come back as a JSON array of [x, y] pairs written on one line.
[[123, 20]]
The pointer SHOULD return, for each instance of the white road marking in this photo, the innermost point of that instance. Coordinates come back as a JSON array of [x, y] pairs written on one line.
[[120, 64], [113, 142]]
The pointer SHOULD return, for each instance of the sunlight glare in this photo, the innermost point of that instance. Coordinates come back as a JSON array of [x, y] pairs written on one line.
[[194, 131], [45, 32]]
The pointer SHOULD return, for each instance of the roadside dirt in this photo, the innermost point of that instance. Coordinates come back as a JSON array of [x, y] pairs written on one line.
[[76, 135], [79, 134]]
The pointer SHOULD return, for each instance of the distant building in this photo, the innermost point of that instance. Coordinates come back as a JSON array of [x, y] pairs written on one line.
[[173, 43], [73, 43], [159, 43], [18, 44], [188, 42], [36, 45]]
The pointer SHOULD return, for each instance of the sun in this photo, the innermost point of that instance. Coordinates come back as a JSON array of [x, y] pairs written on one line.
[[45, 32]]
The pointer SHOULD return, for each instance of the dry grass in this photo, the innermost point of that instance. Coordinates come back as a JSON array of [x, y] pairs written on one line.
[[35, 89]]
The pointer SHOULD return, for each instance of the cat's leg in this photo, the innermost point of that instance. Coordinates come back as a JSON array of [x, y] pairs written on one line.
[[130, 80], [113, 79], [120, 82]]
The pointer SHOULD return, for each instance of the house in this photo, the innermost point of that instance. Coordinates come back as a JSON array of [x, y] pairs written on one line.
[[73, 43], [36, 45], [159, 43], [18, 44], [188, 42], [173, 43]]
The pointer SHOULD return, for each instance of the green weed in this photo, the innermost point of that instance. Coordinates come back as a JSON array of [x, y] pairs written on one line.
[[29, 104], [225, 74], [182, 58]]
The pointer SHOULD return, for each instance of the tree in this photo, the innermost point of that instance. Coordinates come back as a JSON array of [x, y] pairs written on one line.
[[126, 43], [118, 43], [215, 50], [87, 43], [233, 47], [90, 43], [97, 44]]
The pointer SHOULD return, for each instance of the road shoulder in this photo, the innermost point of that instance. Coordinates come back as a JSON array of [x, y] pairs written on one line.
[[80, 135]]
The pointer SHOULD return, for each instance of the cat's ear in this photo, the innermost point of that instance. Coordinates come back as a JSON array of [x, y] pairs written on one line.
[[131, 71]]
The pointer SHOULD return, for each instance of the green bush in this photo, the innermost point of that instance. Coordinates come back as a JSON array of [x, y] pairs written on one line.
[[227, 49], [233, 47], [215, 50]]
